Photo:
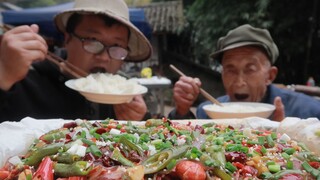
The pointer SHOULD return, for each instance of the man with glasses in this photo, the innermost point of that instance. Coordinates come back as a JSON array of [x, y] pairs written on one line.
[[98, 38]]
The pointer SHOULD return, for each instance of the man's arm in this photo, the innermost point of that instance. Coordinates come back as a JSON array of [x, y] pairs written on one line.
[[20, 47]]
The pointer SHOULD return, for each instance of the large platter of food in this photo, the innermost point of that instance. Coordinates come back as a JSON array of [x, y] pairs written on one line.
[[252, 148]]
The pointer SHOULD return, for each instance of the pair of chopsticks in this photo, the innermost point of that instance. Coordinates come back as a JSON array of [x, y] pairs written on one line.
[[64, 65], [202, 91]]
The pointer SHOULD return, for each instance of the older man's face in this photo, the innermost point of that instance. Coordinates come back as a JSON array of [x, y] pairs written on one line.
[[246, 73]]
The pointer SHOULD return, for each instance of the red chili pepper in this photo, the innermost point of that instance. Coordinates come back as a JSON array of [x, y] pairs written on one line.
[[4, 174], [292, 177], [123, 129], [45, 170], [77, 178], [111, 126], [101, 130], [249, 171], [315, 164], [236, 157], [258, 149], [94, 140], [238, 165], [70, 125], [244, 143], [164, 119], [265, 133], [73, 178]]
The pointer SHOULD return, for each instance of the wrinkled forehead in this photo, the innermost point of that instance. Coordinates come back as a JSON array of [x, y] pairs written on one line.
[[245, 53]]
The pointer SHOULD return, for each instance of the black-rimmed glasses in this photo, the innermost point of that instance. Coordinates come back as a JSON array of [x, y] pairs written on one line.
[[96, 47]]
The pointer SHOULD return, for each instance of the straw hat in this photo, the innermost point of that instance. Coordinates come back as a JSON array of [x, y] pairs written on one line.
[[246, 35], [140, 48]]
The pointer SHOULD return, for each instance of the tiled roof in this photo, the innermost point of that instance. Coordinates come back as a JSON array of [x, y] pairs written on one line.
[[165, 17]]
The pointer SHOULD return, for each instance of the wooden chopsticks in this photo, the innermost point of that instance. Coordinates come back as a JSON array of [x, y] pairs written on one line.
[[64, 65], [202, 91]]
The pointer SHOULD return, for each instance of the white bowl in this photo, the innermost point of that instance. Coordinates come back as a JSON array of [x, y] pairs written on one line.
[[106, 98], [239, 110]]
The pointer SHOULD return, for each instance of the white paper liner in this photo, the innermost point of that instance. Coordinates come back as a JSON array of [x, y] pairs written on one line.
[[302, 130], [16, 137]]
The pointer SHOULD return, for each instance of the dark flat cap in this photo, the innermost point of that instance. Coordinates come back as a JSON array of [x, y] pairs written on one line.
[[246, 35]]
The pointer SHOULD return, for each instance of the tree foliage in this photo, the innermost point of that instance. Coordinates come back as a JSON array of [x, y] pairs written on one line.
[[211, 19], [37, 3]]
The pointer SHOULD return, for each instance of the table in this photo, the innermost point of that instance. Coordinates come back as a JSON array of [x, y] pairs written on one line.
[[309, 90], [156, 85]]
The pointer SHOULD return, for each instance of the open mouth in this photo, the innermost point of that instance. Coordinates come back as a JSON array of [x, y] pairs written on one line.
[[241, 97], [97, 70]]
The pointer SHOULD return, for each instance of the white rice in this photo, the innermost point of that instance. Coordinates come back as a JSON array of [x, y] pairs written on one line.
[[106, 83], [237, 108]]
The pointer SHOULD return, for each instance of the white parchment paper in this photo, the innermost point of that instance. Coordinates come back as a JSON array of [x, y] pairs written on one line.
[[16, 137], [303, 130]]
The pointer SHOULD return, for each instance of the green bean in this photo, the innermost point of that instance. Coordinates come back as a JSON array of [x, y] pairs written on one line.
[[303, 146], [117, 156], [161, 159], [153, 122], [95, 151], [274, 168], [279, 174], [261, 140], [270, 141], [36, 156], [131, 146], [290, 151], [87, 141], [219, 157], [307, 156], [86, 124], [54, 135], [230, 167], [78, 168], [133, 129], [65, 158], [221, 174], [289, 164], [207, 160], [206, 125]]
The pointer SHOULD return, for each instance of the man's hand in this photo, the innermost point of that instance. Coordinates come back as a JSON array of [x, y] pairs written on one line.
[[135, 110], [279, 113], [20, 47], [185, 92]]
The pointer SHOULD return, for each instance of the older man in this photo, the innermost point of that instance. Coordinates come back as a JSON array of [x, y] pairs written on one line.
[[247, 55]]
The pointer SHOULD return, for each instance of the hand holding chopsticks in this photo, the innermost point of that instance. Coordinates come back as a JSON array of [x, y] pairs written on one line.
[[61, 63], [202, 91]]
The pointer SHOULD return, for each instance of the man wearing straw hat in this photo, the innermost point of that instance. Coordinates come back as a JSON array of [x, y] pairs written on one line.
[[247, 55], [99, 37]]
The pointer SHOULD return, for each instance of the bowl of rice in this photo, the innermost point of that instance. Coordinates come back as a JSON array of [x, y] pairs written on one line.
[[107, 88], [231, 110]]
